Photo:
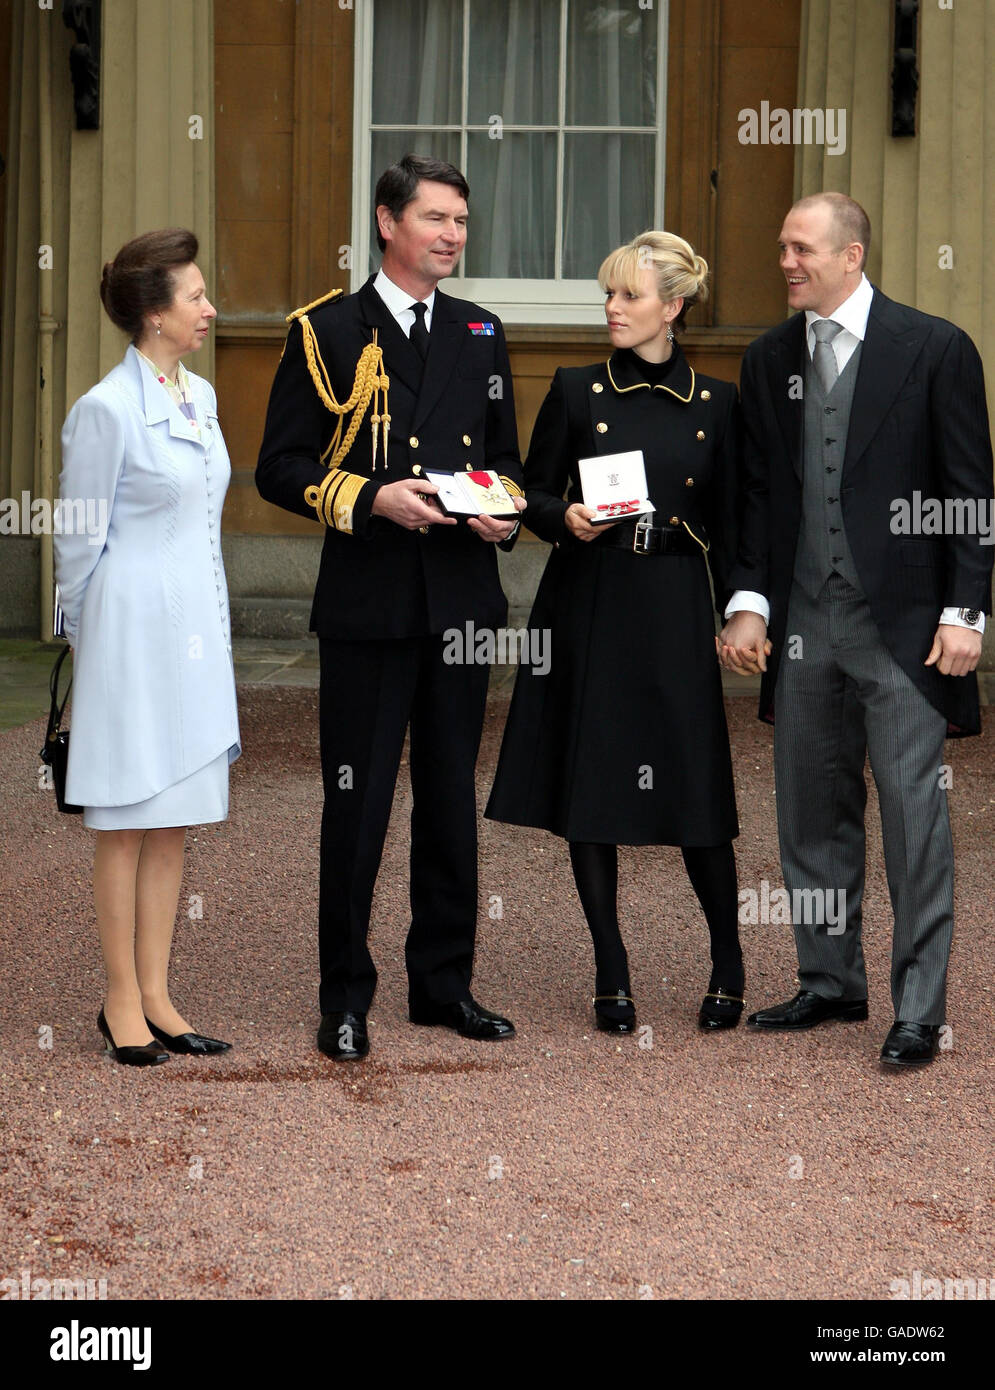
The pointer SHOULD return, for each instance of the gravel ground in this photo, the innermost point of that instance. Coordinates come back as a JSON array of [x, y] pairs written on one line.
[[559, 1164]]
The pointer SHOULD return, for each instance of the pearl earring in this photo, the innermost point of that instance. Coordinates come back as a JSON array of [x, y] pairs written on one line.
[[158, 330]]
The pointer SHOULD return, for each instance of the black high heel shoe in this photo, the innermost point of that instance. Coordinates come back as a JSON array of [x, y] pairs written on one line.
[[623, 1020], [148, 1055], [720, 1008], [192, 1044]]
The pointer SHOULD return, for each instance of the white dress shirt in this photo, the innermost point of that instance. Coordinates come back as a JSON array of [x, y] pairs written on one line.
[[399, 303], [852, 314]]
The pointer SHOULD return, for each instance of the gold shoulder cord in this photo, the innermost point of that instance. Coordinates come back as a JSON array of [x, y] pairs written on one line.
[[335, 496]]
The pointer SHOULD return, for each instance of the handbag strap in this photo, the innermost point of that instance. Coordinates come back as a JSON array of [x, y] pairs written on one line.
[[55, 709]]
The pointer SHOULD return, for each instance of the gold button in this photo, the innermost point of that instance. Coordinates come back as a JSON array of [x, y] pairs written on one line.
[[468, 467], [601, 427], [413, 441], [467, 440], [689, 482], [423, 530], [706, 395], [675, 521], [597, 388], [700, 434], [416, 469]]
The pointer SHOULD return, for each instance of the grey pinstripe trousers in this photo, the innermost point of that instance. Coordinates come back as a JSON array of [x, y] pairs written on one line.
[[842, 697]]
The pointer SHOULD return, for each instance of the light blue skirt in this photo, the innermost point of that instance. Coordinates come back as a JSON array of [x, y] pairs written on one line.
[[198, 799]]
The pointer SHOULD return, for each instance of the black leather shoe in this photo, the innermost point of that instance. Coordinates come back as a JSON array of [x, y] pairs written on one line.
[[194, 1044], [148, 1055], [342, 1036], [806, 1010], [615, 1013], [911, 1044], [464, 1016], [720, 1008]]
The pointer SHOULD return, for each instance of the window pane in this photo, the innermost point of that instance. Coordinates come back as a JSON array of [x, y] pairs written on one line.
[[514, 62], [512, 206], [608, 184], [417, 62], [611, 64], [388, 146]]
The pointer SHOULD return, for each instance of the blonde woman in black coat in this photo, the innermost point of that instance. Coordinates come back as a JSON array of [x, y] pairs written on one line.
[[624, 739]]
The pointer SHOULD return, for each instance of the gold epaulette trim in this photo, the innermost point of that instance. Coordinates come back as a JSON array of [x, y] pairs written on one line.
[[510, 486], [306, 309]]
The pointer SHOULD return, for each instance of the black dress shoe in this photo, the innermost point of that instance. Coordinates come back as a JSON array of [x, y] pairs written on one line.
[[806, 1010], [342, 1036], [148, 1055], [911, 1044], [194, 1044], [615, 1013], [720, 1008], [464, 1016]]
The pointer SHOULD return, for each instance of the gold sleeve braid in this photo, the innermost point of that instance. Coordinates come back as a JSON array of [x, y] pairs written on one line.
[[334, 498], [511, 487]]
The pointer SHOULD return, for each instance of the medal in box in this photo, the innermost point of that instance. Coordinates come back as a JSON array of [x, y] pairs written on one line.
[[614, 486], [480, 493]]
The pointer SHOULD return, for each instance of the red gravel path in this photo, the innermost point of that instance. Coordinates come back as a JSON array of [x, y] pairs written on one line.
[[559, 1164]]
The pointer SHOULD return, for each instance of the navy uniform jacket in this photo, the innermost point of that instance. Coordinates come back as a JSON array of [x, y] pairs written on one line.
[[453, 412]]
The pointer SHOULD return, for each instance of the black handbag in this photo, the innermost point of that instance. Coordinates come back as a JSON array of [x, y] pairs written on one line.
[[55, 752]]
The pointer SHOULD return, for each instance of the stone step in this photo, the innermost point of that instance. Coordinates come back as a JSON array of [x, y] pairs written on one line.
[[270, 618]]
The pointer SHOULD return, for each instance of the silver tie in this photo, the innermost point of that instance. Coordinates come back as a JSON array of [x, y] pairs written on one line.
[[824, 358]]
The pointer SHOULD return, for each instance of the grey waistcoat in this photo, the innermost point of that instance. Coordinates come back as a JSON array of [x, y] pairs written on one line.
[[822, 544]]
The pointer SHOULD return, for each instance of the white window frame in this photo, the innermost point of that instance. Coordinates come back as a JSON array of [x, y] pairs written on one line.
[[560, 302]]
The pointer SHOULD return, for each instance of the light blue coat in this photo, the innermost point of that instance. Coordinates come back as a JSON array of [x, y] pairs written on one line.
[[146, 607]]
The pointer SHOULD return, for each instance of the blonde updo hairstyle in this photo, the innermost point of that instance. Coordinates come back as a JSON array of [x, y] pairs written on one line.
[[679, 271]]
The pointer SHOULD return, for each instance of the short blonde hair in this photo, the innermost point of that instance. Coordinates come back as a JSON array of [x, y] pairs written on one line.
[[680, 272]]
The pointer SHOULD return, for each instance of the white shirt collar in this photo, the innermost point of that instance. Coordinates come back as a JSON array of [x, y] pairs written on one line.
[[398, 300], [852, 313]]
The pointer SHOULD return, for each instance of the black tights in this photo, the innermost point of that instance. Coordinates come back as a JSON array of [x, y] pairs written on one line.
[[712, 871]]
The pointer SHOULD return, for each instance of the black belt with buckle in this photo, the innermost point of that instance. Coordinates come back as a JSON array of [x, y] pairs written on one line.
[[644, 539]]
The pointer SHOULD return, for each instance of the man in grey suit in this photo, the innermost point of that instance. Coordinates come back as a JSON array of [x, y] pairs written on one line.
[[855, 410]]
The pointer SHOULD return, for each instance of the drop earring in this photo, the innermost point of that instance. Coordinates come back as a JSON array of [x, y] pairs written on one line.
[[670, 334], [158, 330]]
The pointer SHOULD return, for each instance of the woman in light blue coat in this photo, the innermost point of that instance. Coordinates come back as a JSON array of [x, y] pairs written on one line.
[[145, 604]]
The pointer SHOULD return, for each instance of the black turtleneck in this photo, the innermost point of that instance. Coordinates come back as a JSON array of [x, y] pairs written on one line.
[[653, 372]]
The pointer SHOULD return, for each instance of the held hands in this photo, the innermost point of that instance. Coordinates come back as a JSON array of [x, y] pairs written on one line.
[[956, 651], [490, 530], [743, 647], [578, 520]]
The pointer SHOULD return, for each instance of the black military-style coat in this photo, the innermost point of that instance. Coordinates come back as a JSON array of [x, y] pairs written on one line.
[[623, 739], [919, 423], [453, 412]]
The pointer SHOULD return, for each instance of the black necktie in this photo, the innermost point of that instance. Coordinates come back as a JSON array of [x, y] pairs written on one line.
[[419, 333]]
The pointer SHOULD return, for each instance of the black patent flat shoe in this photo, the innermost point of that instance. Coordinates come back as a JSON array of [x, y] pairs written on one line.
[[622, 1019], [192, 1044], [720, 1008], [149, 1055]]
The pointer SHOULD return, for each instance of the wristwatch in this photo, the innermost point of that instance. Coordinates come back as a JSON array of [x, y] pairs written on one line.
[[969, 616]]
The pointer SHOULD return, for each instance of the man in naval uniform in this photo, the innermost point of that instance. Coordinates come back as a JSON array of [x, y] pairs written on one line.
[[851, 408], [373, 389]]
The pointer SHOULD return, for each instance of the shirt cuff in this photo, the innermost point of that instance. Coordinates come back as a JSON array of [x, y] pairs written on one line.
[[951, 616], [745, 601]]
